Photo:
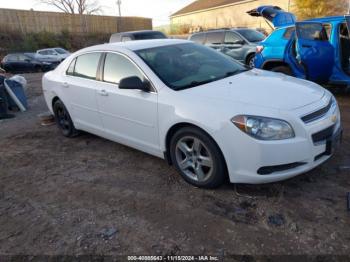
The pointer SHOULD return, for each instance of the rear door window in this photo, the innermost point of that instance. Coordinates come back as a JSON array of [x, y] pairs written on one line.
[[312, 31], [198, 38], [118, 67], [231, 38], [86, 65], [215, 38]]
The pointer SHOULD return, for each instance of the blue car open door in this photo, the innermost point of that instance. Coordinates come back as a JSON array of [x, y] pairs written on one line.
[[310, 54]]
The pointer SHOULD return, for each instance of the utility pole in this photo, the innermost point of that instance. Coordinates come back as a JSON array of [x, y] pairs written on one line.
[[119, 3]]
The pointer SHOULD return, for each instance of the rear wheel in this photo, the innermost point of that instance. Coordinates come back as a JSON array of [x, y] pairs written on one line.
[[197, 158], [64, 120], [283, 69]]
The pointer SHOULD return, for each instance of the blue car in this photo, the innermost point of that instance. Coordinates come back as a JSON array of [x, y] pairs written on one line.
[[317, 49]]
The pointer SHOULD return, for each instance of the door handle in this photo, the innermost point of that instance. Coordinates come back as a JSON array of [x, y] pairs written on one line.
[[103, 93], [65, 85]]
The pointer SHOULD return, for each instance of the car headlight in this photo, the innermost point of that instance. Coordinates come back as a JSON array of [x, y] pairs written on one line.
[[264, 128]]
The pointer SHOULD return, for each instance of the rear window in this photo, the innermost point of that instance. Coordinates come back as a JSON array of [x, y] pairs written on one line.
[[198, 38], [145, 36], [215, 38], [86, 65], [288, 33]]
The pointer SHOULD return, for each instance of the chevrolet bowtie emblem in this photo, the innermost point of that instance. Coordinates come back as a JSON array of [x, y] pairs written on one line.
[[334, 118]]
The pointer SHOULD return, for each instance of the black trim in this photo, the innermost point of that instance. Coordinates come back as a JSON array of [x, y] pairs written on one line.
[[323, 135], [317, 114], [267, 170]]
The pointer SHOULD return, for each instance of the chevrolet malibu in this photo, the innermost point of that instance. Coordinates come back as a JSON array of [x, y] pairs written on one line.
[[206, 114]]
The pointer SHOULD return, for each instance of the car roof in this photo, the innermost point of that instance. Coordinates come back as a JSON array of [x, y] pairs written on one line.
[[137, 32], [135, 45], [327, 19]]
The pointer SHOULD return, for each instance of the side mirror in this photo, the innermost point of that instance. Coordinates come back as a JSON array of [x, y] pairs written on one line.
[[134, 83]]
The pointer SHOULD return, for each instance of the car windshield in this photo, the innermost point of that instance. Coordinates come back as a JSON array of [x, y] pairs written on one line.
[[60, 51], [188, 65], [252, 35]]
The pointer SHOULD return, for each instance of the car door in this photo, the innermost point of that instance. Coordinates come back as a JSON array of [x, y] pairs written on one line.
[[275, 15], [79, 88], [24, 63], [128, 116], [310, 53], [215, 40], [233, 46]]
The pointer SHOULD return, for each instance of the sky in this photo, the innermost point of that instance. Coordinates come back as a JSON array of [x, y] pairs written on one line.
[[159, 10]]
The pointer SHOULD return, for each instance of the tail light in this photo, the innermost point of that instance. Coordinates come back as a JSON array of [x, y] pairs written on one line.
[[259, 49]]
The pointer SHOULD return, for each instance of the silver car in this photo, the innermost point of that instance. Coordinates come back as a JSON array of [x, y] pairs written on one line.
[[239, 43]]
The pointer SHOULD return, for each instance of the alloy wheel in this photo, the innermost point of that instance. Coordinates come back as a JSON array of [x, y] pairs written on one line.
[[194, 158]]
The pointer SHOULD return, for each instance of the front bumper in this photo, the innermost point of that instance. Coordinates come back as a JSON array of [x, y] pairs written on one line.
[[253, 161]]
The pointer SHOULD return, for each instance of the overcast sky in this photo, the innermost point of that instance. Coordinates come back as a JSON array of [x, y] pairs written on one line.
[[159, 10]]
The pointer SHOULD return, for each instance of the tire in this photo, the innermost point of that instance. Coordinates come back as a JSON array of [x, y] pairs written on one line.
[[283, 69], [197, 158], [38, 69], [250, 61], [63, 120]]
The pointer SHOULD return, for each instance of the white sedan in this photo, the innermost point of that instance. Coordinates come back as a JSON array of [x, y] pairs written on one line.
[[206, 114]]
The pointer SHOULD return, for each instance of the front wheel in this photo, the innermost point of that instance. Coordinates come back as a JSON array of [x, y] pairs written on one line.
[[64, 120], [197, 158], [251, 61]]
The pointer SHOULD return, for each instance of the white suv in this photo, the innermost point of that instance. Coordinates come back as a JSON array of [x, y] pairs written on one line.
[[56, 53], [207, 114]]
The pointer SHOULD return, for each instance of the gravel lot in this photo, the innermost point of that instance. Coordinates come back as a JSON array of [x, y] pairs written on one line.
[[88, 195]]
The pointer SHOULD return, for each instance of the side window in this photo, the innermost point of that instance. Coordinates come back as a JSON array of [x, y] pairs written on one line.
[[70, 70], [126, 39], [328, 28], [288, 33], [312, 31], [198, 38], [23, 58], [214, 38], [231, 38], [86, 65], [118, 67]]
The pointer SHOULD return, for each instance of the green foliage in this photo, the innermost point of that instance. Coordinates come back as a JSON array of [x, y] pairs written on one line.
[[179, 29], [318, 8]]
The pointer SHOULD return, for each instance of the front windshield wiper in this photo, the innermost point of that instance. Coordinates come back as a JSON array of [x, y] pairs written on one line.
[[198, 83], [194, 84]]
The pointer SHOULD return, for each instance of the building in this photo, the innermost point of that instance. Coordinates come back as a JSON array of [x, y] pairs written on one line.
[[211, 14]]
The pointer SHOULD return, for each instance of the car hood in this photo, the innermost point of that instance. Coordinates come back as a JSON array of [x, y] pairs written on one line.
[[277, 16], [262, 88]]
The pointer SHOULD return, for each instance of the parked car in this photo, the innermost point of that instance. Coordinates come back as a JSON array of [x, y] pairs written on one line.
[[316, 49], [239, 44], [41, 58], [20, 62], [204, 112], [57, 53], [136, 35]]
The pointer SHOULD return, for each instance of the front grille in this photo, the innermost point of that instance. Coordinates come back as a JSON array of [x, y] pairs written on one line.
[[323, 135], [317, 114], [267, 170]]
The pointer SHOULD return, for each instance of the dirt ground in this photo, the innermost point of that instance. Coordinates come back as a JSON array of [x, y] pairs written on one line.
[[88, 195]]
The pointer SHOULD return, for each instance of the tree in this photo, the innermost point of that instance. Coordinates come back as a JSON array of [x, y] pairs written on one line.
[[75, 6], [318, 8]]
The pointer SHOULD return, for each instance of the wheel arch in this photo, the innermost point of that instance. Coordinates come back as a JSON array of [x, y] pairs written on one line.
[[249, 55], [269, 64], [173, 129]]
